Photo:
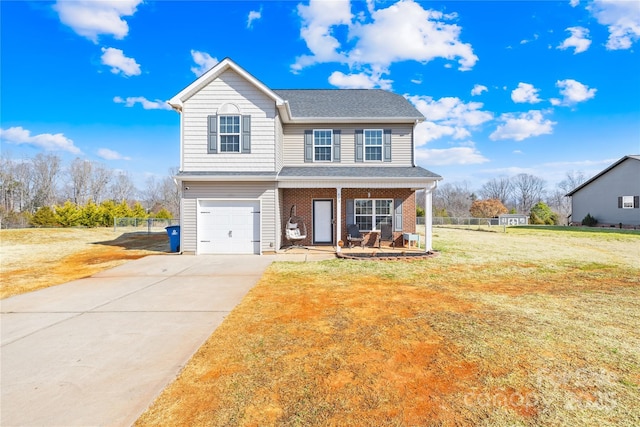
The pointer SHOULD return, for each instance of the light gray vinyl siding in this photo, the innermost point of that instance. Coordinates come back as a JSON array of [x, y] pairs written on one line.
[[279, 143], [229, 88], [265, 192], [600, 197], [401, 144]]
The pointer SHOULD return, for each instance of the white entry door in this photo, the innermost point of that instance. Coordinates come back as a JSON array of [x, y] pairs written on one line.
[[228, 227], [323, 221]]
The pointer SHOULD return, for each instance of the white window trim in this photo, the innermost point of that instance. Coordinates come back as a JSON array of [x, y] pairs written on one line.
[[373, 214], [324, 146], [364, 145], [220, 134], [627, 200]]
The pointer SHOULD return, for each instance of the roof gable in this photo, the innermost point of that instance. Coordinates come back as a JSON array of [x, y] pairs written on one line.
[[584, 184], [177, 101]]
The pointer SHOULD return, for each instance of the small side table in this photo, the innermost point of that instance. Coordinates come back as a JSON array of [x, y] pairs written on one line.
[[411, 237]]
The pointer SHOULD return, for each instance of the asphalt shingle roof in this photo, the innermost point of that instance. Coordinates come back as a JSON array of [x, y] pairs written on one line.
[[348, 103]]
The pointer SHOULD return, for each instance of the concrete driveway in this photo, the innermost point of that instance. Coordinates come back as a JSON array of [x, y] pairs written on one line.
[[97, 351]]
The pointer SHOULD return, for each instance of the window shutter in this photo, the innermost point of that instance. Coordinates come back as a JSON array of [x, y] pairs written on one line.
[[246, 134], [308, 146], [351, 219], [619, 202], [359, 145], [336, 145], [212, 134], [636, 202], [397, 220], [386, 145]]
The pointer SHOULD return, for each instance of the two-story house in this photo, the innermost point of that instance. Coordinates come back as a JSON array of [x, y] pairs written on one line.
[[250, 155]]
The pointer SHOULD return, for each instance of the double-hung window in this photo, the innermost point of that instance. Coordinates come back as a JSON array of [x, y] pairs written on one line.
[[322, 145], [370, 213], [229, 133], [373, 145], [627, 202]]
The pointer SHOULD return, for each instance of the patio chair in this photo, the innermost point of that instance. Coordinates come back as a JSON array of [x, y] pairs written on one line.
[[354, 235], [295, 230], [386, 234]]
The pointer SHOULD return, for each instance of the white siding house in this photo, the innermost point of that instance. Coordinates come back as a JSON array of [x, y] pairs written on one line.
[[251, 155]]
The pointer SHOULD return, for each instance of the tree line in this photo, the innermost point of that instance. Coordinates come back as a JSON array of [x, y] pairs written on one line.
[[523, 194], [44, 182]]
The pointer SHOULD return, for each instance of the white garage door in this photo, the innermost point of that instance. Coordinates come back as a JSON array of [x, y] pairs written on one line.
[[228, 227]]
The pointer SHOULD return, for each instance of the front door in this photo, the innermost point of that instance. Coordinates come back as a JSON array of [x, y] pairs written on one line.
[[323, 221]]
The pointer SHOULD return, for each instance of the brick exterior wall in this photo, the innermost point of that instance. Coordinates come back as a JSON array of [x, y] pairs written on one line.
[[303, 199]]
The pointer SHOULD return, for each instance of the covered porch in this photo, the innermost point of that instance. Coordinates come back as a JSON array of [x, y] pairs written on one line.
[[326, 200]]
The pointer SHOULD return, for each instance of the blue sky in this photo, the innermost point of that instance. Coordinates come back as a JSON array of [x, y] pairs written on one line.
[[507, 87]]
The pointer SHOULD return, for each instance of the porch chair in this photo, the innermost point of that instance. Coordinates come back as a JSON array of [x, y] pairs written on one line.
[[354, 235], [295, 230], [386, 234]]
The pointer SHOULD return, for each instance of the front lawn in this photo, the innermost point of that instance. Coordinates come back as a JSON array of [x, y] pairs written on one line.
[[531, 327]]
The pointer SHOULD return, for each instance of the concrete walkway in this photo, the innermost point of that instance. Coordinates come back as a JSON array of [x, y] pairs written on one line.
[[97, 351]]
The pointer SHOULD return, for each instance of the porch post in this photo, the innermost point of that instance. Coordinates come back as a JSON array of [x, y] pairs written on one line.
[[428, 217], [339, 217]]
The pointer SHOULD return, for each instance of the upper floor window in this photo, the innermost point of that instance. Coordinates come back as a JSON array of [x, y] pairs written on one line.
[[322, 145], [373, 145], [229, 133]]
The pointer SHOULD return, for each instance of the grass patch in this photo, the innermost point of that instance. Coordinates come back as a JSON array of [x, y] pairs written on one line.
[[531, 327]]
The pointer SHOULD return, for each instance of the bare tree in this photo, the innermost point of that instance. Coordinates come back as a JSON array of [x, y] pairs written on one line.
[[455, 198], [152, 193], [559, 201], [100, 180], [171, 193], [497, 188], [79, 180], [46, 171], [122, 187], [527, 190]]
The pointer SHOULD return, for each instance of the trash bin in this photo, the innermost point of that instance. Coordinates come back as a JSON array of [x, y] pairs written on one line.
[[174, 237]]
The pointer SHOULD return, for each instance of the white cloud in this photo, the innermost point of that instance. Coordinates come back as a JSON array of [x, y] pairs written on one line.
[[451, 156], [622, 17], [447, 116], [119, 63], [403, 31], [525, 41], [572, 92], [204, 62], [254, 15], [146, 104], [578, 40], [90, 18], [522, 126], [46, 141], [525, 92], [358, 81], [108, 154], [574, 3], [478, 89], [318, 18]]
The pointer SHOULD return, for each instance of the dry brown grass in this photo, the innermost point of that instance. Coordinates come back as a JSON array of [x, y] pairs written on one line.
[[531, 327], [36, 258]]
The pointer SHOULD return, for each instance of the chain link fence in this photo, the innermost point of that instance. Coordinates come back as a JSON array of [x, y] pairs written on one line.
[[150, 225]]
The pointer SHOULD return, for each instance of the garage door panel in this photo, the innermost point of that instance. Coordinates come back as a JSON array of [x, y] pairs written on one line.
[[229, 226]]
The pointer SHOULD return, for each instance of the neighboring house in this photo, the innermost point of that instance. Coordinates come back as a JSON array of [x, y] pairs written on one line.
[[612, 196], [249, 153]]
